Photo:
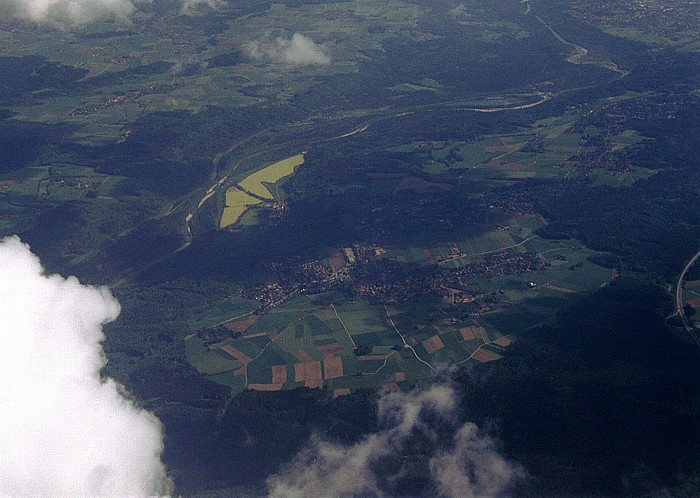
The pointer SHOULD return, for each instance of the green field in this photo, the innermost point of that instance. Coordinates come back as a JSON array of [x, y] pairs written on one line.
[[220, 312], [208, 362]]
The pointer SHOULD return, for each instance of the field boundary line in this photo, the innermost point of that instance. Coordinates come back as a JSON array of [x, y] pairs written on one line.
[[405, 344], [343, 324]]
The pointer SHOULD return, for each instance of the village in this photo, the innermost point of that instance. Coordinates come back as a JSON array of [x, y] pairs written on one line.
[[363, 272], [129, 97]]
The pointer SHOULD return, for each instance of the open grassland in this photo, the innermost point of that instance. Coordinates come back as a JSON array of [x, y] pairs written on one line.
[[220, 313], [548, 149], [206, 361], [57, 183], [514, 237], [621, 178]]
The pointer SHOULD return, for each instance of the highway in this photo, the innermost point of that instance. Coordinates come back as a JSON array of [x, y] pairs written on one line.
[[692, 332]]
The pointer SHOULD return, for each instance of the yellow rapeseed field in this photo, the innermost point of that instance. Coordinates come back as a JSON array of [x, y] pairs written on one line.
[[255, 183], [236, 204], [237, 201]]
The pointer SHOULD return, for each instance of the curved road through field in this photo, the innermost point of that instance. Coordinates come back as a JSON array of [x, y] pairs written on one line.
[[692, 332]]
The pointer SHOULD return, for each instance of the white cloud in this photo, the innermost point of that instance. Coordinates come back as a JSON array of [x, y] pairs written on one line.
[[470, 467], [193, 6], [328, 469], [473, 468], [67, 14], [70, 13], [300, 50], [459, 11], [65, 430]]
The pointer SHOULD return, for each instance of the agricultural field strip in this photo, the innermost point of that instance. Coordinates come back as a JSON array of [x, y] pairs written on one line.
[[500, 249], [386, 357], [386, 360], [233, 319], [386, 310], [237, 202], [476, 351], [495, 158], [245, 367], [343, 324], [273, 341]]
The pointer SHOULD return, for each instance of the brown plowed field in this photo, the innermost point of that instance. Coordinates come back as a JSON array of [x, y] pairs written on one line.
[[279, 374], [433, 344], [332, 367], [309, 370], [302, 355], [484, 356], [467, 333], [512, 166], [265, 387], [503, 342], [499, 148], [371, 357], [329, 349], [239, 355], [560, 289], [242, 325], [336, 260]]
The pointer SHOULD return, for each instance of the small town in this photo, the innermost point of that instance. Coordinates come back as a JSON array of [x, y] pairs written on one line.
[[364, 273]]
